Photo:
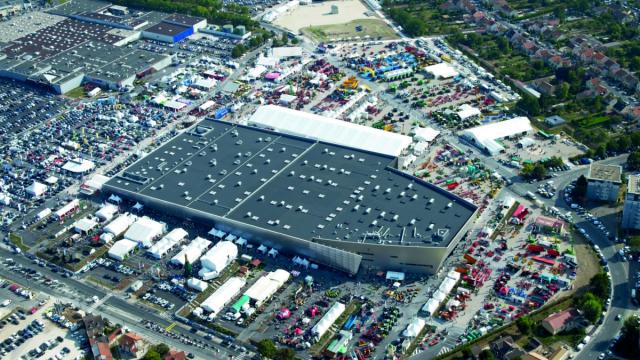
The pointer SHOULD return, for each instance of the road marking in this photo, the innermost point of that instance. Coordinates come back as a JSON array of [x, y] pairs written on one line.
[[171, 326]]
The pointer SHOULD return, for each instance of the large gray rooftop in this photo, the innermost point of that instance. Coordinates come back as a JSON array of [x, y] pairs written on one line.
[[296, 187]]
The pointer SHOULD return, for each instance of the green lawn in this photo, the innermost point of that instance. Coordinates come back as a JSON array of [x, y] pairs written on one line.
[[17, 241]]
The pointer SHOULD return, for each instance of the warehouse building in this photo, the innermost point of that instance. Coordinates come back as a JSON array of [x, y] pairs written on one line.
[[336, 205], [631, 210], [485, 136], [603, 182], [69, 53], [167, 32]]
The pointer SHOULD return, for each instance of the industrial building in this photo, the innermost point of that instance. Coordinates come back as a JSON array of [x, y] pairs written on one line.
[[339, 206], [631, 210], [485, 136], [603, 182], [168, 33], [78, 43]]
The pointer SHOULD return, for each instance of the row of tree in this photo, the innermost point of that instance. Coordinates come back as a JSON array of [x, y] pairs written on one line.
[[212, 10]]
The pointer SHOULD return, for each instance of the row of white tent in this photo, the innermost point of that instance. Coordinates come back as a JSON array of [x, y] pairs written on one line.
[[439, 295], [259, 292]]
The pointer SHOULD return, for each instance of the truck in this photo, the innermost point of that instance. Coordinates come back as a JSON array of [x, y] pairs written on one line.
[[531, 196]]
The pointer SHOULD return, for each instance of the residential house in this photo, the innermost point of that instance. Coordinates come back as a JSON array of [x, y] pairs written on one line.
[[561, 321], [100, 350], [94, 326], [544, 87], [505, 348], [611, 66], [597, 86], [175, 355], [632, 112], [132, 344]]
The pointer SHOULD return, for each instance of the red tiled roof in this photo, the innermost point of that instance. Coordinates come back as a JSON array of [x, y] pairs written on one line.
[[558, 320], [175, 355]]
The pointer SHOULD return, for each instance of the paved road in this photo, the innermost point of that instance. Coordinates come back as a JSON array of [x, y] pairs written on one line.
[[115, 308]]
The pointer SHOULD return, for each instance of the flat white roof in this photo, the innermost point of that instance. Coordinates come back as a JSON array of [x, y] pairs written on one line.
[[321, 128], [442, 70], [427, 134], [486, 135], [466, 111], [286, 51], [78, 165]]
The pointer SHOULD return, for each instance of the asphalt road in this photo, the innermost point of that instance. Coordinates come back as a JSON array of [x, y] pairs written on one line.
[[115, 308]]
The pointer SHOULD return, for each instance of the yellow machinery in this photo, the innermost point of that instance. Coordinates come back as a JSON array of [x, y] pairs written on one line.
[[350, 83]]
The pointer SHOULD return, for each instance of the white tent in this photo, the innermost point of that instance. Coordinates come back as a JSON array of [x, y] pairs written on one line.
[[413, 329], [241, 242], [223, 295], [144, 231], [447, 285], [173, 238], [43, 214], [485, 136], [441, 70], [67, 208], [316, 127], [118, 226], [217, 259], [36, 189], [273, 253], [263, 249], [192, 252], [121, 249], [267, 285], [84, 225], [78, 166], [430, 307], [286, 52], [453, 275], [106, 212], [217, 233], [466, 111], [197, 284], [328, 319], [425, 134]]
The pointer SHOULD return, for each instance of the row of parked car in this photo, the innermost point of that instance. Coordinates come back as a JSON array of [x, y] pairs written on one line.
[[18, 338]]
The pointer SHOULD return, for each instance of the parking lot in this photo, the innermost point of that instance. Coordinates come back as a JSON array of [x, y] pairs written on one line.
[[37, 337]]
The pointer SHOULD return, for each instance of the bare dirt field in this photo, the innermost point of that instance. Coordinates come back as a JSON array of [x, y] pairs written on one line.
[[319, 15]]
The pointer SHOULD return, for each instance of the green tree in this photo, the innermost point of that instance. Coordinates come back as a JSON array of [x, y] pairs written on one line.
[[152, 354], [580, 190], [267, 348], [590, 306], [525, 325], [600, 285], [562, 91], [529, 104], [238, 51], [486, 355], [633, 161], [188, 267], [627, 346], [162, 349], [286, 354]]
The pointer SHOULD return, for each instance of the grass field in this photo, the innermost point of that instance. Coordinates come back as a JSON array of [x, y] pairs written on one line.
[[375, 28]]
